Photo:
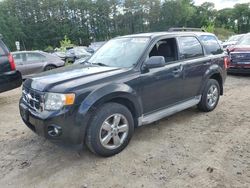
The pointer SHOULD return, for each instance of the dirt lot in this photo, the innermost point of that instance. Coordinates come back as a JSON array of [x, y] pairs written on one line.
[[190, 149]]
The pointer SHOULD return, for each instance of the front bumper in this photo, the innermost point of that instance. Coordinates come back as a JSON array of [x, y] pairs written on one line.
[[238, 70], [72, 131], [10, 80]]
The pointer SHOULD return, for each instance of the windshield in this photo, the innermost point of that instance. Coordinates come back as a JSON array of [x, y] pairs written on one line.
[[245, 40], [122, 52]]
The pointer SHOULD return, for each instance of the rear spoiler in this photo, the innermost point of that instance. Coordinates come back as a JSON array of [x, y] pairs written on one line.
[[172, 29]]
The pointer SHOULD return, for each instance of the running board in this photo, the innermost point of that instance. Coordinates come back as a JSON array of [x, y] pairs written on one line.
[[144, 120]]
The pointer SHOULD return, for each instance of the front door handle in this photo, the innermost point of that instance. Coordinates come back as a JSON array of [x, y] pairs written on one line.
[[178, 70]]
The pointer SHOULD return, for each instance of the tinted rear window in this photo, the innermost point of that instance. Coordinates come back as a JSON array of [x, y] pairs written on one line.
[[3, 48], [211, 44]]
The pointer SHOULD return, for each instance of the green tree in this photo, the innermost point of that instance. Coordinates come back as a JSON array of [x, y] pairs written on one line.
[[65, 43], [38, 24]]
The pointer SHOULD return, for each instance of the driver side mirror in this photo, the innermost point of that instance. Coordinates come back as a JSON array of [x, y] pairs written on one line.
[[155, 62]]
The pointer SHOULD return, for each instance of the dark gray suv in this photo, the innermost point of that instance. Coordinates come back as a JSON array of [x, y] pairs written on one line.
[[9, 77], [129, 82]]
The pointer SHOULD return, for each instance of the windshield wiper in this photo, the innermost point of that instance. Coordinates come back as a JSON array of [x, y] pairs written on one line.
[[100, 64]]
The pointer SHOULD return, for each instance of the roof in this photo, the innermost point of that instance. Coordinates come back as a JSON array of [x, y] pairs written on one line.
[[159, 34], [34, 51]]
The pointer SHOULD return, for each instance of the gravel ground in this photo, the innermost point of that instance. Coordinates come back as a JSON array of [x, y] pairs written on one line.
[[189, 149]]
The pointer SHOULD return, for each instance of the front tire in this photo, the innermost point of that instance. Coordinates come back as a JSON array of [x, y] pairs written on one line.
[[210, 96], [110, 129]]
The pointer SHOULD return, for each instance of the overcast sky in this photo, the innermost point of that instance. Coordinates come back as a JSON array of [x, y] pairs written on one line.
[[220, 4]]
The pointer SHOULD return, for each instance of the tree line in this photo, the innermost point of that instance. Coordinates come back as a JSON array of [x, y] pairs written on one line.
[[38, 24]]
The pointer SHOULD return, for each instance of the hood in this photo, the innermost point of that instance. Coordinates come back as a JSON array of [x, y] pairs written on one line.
[[240, 48], [71, 77]]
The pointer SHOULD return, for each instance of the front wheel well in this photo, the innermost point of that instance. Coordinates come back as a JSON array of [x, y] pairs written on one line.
[[218, 77], [129, 105], [120, 100]]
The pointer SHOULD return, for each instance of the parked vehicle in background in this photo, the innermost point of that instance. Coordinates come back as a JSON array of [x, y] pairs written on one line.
[[89, 49], [81, 60], [130, 81], [10, 78], [33, 62], [240, 56], [61, 55], [75, 53], [232, 41], [96, 45]]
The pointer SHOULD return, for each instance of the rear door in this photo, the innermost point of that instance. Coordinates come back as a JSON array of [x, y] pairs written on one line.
[[4, 61], [33, 63], [195, 64]]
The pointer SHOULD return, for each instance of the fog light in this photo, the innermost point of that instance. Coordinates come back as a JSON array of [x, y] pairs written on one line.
[[54, 130]]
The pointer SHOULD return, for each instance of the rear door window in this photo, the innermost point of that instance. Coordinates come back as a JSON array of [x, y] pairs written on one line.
[[190, 47], [34, 57], [211, 44]]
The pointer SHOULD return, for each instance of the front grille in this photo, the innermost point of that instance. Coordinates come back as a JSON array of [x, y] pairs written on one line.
[[240, 56], [33, 99]]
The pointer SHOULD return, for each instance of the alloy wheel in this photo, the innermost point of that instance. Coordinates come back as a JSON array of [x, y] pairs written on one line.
[[212, 96], [114, 131]]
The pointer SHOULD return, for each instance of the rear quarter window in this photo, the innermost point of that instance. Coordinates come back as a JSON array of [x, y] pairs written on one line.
[[3, 49], [211, 44]]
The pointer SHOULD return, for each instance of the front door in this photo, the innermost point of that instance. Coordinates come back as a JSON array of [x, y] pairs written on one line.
[[162, 87]]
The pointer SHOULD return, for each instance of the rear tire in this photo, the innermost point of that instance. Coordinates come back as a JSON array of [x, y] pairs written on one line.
[[110, 129], [210, 96]]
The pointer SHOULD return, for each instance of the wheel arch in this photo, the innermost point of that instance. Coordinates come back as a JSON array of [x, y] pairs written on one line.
[[119, 93], [214, 72], [218, 77], [47, 65]]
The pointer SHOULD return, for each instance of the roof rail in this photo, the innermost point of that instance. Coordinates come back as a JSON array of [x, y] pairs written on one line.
[[172, 29]]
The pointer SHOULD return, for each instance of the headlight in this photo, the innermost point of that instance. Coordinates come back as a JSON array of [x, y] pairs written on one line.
[[56, 101]]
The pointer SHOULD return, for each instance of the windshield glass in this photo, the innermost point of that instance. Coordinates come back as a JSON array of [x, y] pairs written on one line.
[[245, 40], [122, 52]]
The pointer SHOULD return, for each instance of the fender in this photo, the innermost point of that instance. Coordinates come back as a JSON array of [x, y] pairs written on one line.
[[213, 69], [107, 93]]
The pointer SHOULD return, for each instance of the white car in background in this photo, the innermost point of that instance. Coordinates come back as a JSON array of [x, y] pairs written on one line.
[[232, 41], [75, 53]]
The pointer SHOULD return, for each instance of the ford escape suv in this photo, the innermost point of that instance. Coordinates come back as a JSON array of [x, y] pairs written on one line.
[[9, 77], [129, 82]]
